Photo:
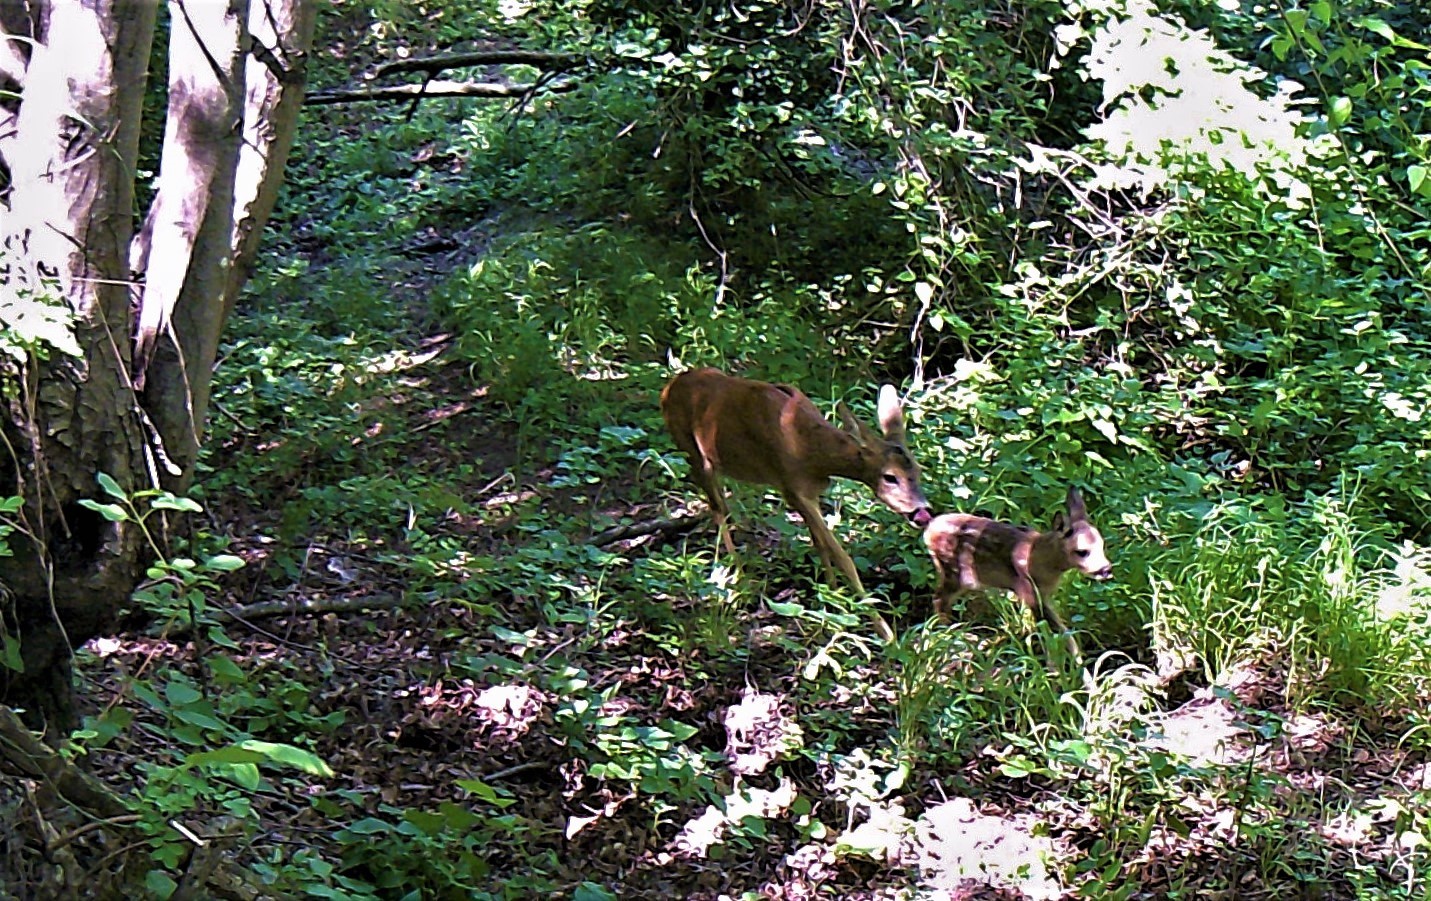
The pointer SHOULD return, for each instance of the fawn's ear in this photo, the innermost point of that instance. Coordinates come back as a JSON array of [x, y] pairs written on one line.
[[1059, 523], [891, 415], [1076, 509]]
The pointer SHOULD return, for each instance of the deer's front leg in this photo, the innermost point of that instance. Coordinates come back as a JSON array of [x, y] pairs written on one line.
[[831, 554], [830, 550]]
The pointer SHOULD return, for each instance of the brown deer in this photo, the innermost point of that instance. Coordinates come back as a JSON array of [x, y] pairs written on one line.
[[973, 553], [773, 435]]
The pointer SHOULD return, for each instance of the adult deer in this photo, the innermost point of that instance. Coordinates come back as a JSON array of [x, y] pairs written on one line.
[[772, 435], [973, 553]]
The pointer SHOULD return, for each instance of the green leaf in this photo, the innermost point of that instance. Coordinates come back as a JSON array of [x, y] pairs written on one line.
[[111, 487], [200, 719], [181, 693], [167, 501], [1416, 177], [1019, 767], [224, 562], [10, 653], [225, 669], [160, 884], [1377, 26], [1341, 110], [244, 775], [488, 793], [111, 512], [288, 755], [228, 755], [369, 826], [590, 891]]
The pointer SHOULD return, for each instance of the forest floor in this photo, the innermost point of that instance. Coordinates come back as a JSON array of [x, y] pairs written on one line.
[[414, 728]]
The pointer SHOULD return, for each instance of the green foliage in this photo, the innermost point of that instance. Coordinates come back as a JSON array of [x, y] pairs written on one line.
[[34, 320], [174, 588], [559, 309]]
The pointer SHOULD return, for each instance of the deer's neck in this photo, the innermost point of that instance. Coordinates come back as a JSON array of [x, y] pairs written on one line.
[[839, 455], [1047, 562]]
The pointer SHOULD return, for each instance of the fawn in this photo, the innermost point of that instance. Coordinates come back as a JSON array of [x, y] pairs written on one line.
[[972, 553], [772, 435]]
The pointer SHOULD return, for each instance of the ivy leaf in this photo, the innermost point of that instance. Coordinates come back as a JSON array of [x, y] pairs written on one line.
[[1341, 110], [1416, 177]]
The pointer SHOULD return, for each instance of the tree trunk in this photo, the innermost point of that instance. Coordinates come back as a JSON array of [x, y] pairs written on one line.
[[67, 228], [66, 234], [185, 242]]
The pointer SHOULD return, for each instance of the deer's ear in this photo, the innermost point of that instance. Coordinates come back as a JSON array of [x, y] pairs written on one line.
[[851, 424], [891, 414], [1076, 509], [1059, 523]]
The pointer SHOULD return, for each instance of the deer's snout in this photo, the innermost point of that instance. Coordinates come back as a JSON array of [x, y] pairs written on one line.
[[1104, 574], [921, 517]]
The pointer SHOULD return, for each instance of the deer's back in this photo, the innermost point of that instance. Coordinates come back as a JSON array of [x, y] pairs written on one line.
[[975, 552], [749, 430]]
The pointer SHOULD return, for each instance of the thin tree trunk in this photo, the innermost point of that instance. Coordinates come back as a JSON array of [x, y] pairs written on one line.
[[186, 239], [280, 33]]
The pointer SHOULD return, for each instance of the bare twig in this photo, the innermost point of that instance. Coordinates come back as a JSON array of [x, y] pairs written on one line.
[[663, 526], [434, 89], [261, 609], [514, 770], [537, 58]]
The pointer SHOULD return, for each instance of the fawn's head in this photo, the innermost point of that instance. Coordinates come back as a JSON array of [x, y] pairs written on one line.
[[889, 468], [1082, 543]]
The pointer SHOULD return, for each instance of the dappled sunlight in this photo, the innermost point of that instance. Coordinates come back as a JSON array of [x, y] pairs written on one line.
[[1407, 589], [1204, 731], [957, 845], [1170, 93], [506, 711], [759, 732], [711, 826]]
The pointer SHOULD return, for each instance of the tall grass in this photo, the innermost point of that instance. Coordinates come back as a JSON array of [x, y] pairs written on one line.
[[1304, 588]]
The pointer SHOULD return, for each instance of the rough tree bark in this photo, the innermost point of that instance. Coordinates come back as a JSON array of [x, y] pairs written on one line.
[[66, 233], [148, 307]]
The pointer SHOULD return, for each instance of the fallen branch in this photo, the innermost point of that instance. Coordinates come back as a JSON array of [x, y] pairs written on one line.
[[434, 64], [286, 607], [436, 89], [23, 754], [262, 609], [661, 527]]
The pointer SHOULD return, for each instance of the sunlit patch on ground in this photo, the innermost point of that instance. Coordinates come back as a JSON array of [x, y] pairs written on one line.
[[957, 845]]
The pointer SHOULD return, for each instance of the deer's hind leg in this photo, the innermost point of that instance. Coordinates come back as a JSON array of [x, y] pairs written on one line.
[[1042, 609]]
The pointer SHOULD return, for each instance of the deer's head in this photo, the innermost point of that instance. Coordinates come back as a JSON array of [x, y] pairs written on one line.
[[890, 470], [1082, 542]]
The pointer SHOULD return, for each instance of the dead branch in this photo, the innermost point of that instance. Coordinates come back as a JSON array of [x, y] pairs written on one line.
[[262, 609], [22, 753], [435, 89], [434, 64], [663, 527]]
